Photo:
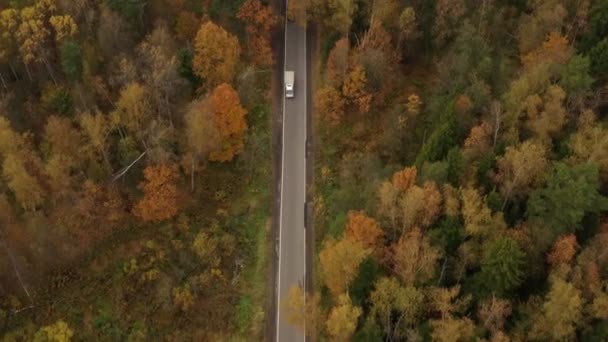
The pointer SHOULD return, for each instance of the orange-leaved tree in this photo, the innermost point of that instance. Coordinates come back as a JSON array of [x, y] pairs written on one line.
[[354, 88], [563, 250], [259, 20], [329, 103], [230, 121], [363, 229], [337, 62], [404, 179], [160, 193]]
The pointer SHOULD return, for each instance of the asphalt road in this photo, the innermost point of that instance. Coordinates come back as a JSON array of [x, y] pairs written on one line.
[[292, 238]]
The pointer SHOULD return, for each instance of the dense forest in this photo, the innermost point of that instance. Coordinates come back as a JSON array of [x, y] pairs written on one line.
[[461, 171], [135, 159]]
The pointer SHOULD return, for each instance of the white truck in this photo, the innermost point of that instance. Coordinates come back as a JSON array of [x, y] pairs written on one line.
[[289, 84]]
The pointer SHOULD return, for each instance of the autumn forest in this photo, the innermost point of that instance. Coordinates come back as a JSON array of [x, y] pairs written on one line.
[[461, 171], [460, 154], [135, 161]]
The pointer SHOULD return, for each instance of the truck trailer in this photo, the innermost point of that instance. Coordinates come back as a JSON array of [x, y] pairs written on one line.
[[289, 84]]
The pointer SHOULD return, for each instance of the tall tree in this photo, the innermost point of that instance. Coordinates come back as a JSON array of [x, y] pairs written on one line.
[[570, 193], [479, 140], [339, 264], [521, 169], [555, 49], [388, 205], [133, 109], [96, 129], [502, 265], [561, 313], [452, 329], [447, 15], [477, 216], [160, 72], [202, 134], [354, 89], [363, 229], [229, 117], [304, 310], [160, 194], [420, 206], [563, 250], [186, 25], [590, 143], [60, 331], [408, 26], [342, 320], [64, 142], [18, 170], [329, 104], [9, 22], [414, 259], [546, 117], [33, 36], [337, 63], [403, 180], [21, 168], [546, 17], [71, 60], [395, 307], [64, 26], [216, 54], [493, 313], [259, 20], [341, 14], [449, 327]]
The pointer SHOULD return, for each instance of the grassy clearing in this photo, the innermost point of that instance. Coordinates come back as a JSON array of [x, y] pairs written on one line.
[[253, 216]]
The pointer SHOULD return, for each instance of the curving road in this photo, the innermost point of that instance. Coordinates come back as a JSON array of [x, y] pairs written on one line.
[[292, 237]]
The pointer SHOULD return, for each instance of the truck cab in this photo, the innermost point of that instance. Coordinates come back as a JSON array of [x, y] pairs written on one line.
[[289, 84]]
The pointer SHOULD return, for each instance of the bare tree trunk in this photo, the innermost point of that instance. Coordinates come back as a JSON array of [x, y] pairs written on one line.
[[84, 104], [49, 69], [495, 109], [121, 132], [192, 175], [14, 264], [168, 110], [105, 158], [482, 15], [445, 261], [3, 83], [127, 168], [27, 70], [10, 65]]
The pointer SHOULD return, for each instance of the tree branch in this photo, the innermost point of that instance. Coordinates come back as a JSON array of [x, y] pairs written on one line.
[[14, 264], [125, 169]]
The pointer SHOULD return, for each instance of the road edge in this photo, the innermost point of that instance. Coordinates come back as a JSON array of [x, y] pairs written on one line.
[[278, 48], [311, 52]]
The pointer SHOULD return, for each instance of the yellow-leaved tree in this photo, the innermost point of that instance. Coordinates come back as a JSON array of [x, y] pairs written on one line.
[[339, 261], [216, 54], [342, 321], [58, 332]]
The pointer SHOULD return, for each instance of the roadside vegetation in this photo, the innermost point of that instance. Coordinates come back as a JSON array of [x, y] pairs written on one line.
[[461, 171], [136, 172]]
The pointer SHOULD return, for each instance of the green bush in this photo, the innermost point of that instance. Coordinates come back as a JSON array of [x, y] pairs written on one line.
[[57, 99]]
